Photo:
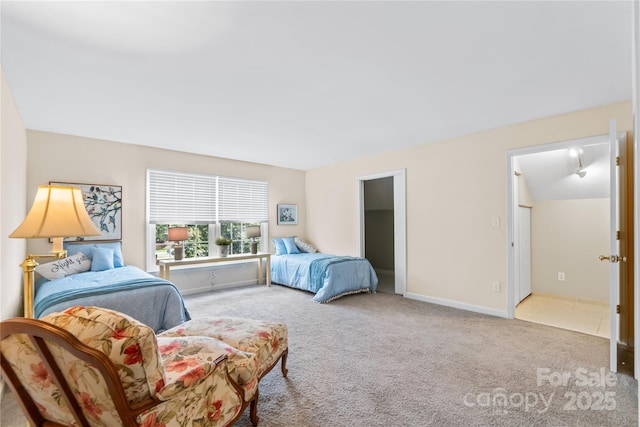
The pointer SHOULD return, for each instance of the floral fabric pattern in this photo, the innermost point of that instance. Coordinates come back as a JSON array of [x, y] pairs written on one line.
[[267, 340], [129, 344], [85, 381], [202, 373], [203, 397], [186, 359]]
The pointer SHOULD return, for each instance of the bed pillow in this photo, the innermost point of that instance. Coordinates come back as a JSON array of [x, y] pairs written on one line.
[[279, 246], [305, 247], [102, 259], [87, 248], [290, 245], [58, 269]]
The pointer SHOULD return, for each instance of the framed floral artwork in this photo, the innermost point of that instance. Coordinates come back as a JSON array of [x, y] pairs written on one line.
[[287, 214], [104, 206]]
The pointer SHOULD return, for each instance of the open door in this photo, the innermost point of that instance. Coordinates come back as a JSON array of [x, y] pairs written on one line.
[[616, 258]]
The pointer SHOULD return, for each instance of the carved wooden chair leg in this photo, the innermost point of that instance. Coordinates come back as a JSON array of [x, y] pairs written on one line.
[[284, 362], [253, 409]]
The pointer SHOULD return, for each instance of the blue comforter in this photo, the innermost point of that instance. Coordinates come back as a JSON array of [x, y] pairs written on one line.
[[155, 302], [327, 276]]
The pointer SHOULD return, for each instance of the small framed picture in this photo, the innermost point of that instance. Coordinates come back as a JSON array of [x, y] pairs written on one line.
[[287, 214]]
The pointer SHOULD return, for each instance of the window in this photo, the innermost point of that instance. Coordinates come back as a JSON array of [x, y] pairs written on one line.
[[209, 206]]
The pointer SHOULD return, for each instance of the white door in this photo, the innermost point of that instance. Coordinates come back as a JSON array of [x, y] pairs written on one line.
[[617, 150], [524, 252]]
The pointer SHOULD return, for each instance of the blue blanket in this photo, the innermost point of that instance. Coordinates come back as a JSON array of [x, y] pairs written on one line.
[[129, 290], [328, 276]]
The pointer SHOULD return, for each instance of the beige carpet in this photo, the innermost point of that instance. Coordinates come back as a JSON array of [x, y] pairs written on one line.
[[383, 360]]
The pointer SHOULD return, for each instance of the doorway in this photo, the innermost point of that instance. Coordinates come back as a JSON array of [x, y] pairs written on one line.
[[569, 196], [382, 210], [561, 203]]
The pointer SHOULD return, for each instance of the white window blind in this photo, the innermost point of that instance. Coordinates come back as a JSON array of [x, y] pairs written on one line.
[[180, 198], [242, 200]]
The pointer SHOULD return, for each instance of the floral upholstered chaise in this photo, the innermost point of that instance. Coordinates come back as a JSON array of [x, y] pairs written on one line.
[[173, 379]]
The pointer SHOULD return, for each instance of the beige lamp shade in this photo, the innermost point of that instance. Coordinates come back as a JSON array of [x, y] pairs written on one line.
[[178, 234], [57, 212], [252, 231]]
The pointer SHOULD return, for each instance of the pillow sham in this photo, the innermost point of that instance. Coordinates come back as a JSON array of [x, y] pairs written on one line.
[[102, 259], [279, 246], [87, 248], [290, 245], [58, 269], [304, 246]]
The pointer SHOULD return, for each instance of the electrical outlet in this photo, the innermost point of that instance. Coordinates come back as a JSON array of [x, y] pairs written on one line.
[[561, 276], [495, 287]]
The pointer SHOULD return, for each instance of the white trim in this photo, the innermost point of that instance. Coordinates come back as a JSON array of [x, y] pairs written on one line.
[[458, 305], [511, 216], [511, 205], [399, 222], [194, 291]]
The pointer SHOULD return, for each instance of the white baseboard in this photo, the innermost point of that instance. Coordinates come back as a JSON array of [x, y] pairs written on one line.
[[192, 291], [458, 305]]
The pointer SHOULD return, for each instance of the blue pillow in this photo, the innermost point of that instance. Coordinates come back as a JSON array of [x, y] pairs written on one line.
[[87, 249], [279, 246], [290, 244], [102, 259]]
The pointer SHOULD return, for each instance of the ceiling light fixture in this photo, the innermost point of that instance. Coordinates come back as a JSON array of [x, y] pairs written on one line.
[[577, 152]]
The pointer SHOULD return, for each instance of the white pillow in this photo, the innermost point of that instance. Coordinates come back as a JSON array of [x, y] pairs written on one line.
[[304, 246], [64, 267]]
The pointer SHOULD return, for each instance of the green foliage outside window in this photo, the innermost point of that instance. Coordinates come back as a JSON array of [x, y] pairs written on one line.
[[198, 243]]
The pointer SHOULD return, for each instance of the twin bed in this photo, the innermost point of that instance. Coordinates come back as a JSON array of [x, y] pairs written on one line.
[[298, 265], [95, 274], [91, 278]]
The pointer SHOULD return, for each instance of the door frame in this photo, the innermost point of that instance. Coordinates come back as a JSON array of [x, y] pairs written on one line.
[[399, 223], [511, 204], [520, 246]]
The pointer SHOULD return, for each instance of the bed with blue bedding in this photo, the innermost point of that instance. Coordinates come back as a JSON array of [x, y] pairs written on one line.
[[328, 276], [123, 288]]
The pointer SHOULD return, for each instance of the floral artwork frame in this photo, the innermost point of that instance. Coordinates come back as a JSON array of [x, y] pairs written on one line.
[[104, 206], [287, 214]]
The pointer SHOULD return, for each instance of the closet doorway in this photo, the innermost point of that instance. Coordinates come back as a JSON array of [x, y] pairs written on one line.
[[383, 228]]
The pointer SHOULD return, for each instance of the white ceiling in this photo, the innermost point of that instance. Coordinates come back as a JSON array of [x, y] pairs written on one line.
[[307, 84]]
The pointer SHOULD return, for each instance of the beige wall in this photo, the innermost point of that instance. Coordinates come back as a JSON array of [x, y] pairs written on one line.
[[454, 188], [567, 236], [13, 174], [56, 157]]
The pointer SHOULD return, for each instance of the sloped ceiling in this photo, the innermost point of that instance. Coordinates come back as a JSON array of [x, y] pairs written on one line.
[[551, 175], [304, 84]]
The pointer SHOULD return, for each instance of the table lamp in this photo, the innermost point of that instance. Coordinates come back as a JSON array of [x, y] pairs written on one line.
[[251, 232], [57, 212], [178, 234]]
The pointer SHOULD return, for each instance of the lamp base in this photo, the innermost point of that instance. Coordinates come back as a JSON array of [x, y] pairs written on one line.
[[177, 252], [254, 247]]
